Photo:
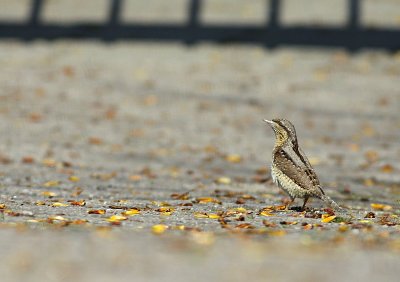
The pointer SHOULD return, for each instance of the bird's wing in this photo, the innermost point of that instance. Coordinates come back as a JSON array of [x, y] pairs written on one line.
[[295, 165]]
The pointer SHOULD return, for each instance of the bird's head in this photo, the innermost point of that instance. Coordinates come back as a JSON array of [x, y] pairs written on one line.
[[284, 131]]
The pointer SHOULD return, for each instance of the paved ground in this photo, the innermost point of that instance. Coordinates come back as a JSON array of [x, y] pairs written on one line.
[[170, 140]]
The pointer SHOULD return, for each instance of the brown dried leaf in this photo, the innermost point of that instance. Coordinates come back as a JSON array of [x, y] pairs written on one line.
[[205, 200], [184, 196], [96, 211], [28, 160], [245, 226], [387, 168], [78, 203]]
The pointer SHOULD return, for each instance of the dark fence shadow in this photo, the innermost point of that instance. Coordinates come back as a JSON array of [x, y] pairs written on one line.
[[351, 36]]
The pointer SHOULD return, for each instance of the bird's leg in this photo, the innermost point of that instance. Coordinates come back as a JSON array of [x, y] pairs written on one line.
[[304, 204], [288, 204]]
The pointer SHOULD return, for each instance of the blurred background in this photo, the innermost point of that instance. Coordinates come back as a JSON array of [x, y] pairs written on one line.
[[118, 102]]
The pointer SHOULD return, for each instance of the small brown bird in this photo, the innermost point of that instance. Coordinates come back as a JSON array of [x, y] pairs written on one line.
[[290, 167]]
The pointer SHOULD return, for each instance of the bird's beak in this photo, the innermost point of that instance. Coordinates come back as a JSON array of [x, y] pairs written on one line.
[[268, 121]]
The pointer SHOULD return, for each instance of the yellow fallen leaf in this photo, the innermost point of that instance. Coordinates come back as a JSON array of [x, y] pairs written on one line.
[[57, 217], [265, 213], [74, 178], [204, 200], [51, 183], [343, 228], [224, 180], [327, 218], [58, 204], [241, 210], [200, 215], [159, 228], [116, 218], [380, 207], [233, 158], [131, 212], [213, 216], [365, 221], [49, 194], [2, 206]]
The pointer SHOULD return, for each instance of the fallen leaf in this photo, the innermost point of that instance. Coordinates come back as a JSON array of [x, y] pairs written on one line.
[[233, 158], [78, 203], [326, 218], [116, 218], [205, 200], [277, 233], [51, 183], [159, 228], [49, 162], [369, 182], [150, 100], [387, 168], [28, 160], [371, 156], [68, 71], [213, 216], [58, 204], [35, 117], [95, 141], [245, 226], [184, 196], [74, 178], [165, 210], [57, 217], [96, 211], [200, 215], [241, 210], [224, 180], [266, 213], [135, 177], [308, 226], [380, 207], [368, 130], [370, 215], [131, 212], [268, 223]]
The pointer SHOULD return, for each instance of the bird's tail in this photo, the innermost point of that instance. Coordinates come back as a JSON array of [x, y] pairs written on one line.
[[330, 202]]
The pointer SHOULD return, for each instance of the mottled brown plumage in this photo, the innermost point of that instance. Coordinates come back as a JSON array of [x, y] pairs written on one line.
[[290, 168]]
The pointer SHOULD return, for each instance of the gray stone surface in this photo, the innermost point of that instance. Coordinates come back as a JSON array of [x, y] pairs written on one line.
[[139, 122]]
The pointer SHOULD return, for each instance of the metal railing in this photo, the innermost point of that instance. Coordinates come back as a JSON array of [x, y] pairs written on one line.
[[351, 36]]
